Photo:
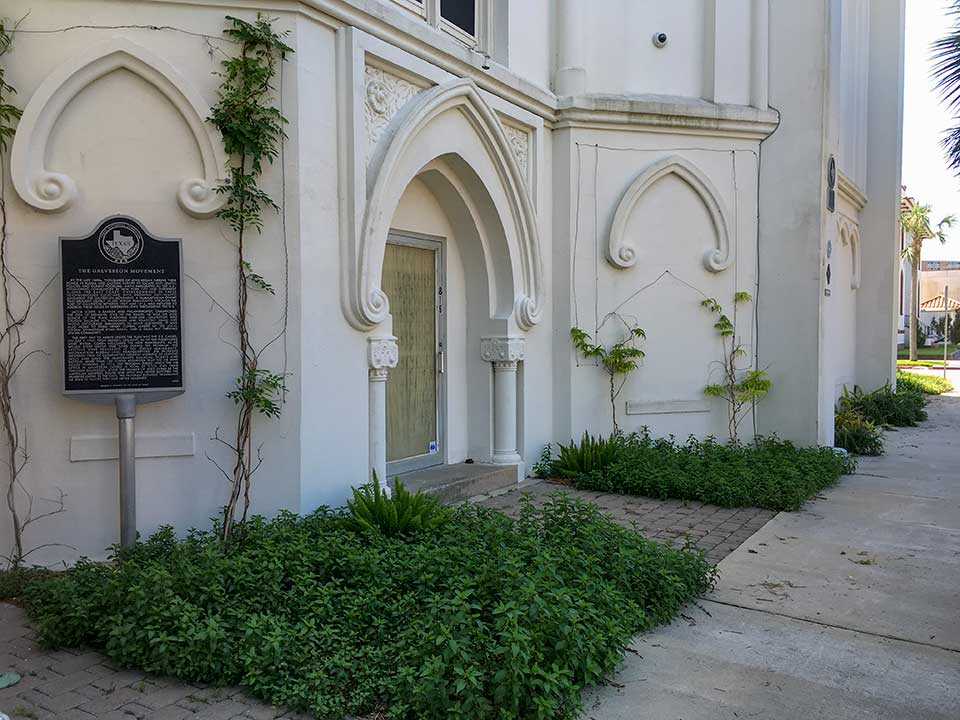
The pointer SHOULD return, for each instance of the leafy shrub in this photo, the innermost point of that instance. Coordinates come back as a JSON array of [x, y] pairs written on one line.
[[592, 454], [14, 581], [884, 406], [402, 513], [771, 474], [923, 384], [543, 467], [482, 617], [855, 434], [936, 325]]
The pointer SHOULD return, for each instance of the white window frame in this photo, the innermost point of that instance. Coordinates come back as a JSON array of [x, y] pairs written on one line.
[[430, 11], [417, 8]]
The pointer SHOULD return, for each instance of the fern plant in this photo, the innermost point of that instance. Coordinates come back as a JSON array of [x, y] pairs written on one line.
[[590, 455], [739, 387], [402, 513], [620, 359]]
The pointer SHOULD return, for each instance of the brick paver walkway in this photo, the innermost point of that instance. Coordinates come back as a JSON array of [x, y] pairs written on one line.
[[85, 686], [719, 531]]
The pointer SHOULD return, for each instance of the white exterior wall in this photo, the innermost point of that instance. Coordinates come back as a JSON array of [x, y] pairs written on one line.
[[522, 167]]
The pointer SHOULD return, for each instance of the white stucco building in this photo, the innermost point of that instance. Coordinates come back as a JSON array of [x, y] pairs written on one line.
[[463, 182]]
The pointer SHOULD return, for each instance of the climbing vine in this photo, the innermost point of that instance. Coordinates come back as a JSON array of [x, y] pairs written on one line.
[[252, 130], [17, 304], [739, 387], [618, 360]]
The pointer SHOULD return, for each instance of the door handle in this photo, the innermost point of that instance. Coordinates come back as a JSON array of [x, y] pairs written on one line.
[[441, 362]]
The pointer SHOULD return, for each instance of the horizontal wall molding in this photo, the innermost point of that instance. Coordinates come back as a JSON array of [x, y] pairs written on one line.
[[105, 447], [659, 113], [851, 191], [668, 407], [402, 30]]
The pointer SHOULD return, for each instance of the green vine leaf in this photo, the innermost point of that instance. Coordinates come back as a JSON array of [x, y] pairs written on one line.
[[619, 359], [253, 132], [256, 279], [740, 388]]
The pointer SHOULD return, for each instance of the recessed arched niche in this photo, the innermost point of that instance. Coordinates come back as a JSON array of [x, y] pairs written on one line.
[[46, 188], [622, 246]]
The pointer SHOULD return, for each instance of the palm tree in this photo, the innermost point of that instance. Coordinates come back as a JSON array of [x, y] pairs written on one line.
[[946, 71], [915, 219]]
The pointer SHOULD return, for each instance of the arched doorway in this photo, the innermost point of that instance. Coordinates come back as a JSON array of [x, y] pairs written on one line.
[[448, 218]]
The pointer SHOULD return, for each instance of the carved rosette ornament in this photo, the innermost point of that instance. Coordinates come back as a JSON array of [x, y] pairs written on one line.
[[385, 95], [382, 354]]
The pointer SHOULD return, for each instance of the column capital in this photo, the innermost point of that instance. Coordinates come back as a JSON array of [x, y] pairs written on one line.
[[383, 353], [502, 350]]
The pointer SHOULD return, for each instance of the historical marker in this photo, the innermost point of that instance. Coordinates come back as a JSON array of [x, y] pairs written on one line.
[[122, 331], [121, 312]]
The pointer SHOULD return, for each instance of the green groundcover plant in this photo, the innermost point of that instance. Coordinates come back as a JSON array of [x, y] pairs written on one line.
[[772, 473], [483, 616], [855, 434], [923, 384], [885, 406]]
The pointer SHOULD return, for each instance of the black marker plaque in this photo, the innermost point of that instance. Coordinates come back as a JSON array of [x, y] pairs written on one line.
[[121, 312]]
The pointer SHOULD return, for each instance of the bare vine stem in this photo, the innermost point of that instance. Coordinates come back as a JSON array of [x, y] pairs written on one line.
[[252, 131], [13, 352]]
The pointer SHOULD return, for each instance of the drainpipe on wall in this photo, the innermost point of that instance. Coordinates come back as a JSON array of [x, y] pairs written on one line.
[[570, 77]]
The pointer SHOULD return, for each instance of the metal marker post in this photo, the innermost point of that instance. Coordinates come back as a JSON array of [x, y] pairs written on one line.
[[126, 412], [946, 326]]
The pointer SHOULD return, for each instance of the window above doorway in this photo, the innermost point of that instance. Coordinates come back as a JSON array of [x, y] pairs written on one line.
[[462, 19]]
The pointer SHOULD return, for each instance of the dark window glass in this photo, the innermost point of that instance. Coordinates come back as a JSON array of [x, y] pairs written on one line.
[[462, 13]]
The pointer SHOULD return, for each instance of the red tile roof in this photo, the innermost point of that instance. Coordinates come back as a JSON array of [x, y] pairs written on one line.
[[935, 304]]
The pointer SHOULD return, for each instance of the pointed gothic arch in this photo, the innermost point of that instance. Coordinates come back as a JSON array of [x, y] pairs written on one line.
[[51, 191], [621, 252], [405, 148], [850, 236]]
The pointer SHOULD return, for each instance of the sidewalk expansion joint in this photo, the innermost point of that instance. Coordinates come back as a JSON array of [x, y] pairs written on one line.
[[821, 623]]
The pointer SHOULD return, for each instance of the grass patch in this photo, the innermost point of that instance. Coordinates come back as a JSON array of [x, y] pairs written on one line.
[[928, 353], [482, 616], [920, 363], [772, 474], [921, 383]]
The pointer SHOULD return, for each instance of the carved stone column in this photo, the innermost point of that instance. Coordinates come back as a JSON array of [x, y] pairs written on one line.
[[505, 353], [382, 354]]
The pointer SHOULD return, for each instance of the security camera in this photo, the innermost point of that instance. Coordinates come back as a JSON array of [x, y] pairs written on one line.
[[660, 39]]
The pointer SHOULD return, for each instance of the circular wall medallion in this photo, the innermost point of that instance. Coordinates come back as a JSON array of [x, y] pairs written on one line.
[[120, 242]]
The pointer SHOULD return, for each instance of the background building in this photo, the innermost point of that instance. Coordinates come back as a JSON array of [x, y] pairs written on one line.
[[463, 182]]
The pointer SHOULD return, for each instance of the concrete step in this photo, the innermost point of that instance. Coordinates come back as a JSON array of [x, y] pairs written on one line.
[[462, 481]]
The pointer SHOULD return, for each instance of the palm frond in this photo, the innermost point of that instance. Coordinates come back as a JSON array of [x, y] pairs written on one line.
[[945, 54]]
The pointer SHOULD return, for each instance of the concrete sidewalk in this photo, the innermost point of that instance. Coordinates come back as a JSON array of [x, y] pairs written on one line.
[[849, 609]]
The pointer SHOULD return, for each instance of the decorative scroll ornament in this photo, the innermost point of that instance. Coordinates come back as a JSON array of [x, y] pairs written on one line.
[[51, 191], [385, 94], [621, 253]]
